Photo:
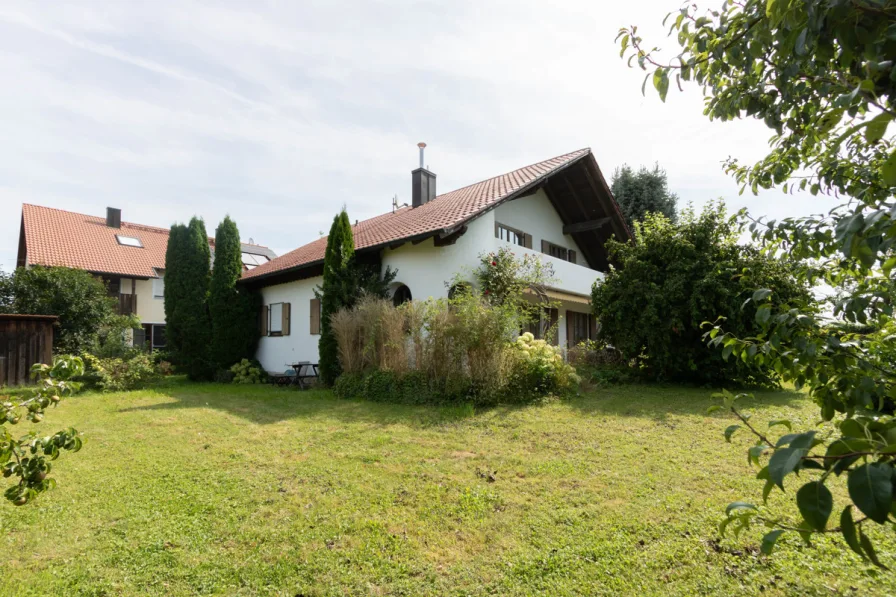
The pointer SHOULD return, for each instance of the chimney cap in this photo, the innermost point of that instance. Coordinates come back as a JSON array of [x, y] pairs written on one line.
[[421, 144]]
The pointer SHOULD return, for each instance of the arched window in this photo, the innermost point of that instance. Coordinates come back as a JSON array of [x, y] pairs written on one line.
[[401, 295]]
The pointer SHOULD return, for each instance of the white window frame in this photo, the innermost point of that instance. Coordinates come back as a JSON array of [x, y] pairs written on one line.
[[137, 243], [157, 284], [278, 319]]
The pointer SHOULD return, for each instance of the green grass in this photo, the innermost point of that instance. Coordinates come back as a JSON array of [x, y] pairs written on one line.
[[223, 490]]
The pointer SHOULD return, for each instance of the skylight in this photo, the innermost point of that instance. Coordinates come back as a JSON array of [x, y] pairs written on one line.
[[128, 241]]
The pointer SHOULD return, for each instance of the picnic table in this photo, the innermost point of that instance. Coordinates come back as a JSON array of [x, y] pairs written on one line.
[[305, 372], [301, 375]]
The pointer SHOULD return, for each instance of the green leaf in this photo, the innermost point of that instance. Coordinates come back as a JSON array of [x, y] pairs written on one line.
[[815, 503], [871, 490], [713, 408], [661, 82], [783, 422], [763, 314], [783, 462], [755, 452], [768, 542], [869, 549], [761, 294], [888, 170], [729, 431], [877, 127], [848, 529], [738, 506]]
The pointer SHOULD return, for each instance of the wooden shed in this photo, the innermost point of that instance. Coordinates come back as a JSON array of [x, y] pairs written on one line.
[[24, 341]]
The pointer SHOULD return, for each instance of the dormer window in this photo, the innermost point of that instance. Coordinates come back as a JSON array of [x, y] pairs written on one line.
[[129, 241]]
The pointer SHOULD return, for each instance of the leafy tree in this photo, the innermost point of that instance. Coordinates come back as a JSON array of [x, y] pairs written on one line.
[[28, 457], [78, 298], [673, 277], [337, 291], [188, 263], [820, 74], [642, 192], [233, 308]]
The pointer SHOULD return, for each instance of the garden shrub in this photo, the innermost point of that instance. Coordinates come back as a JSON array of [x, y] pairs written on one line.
[[671, 279], [248, 372], [537, 369], [132, 371], [599, 363]]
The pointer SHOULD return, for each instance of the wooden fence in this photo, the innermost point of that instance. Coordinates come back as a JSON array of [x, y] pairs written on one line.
[[24, 341]]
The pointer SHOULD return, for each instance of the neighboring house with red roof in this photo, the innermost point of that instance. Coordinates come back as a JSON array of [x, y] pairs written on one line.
[[129, 257], [560, 209]]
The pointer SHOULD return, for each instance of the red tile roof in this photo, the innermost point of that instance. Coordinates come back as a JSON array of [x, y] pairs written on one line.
[[54, 237], [443, 212]]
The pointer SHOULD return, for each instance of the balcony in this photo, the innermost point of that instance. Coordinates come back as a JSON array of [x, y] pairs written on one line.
[[127, 304], [571, 277]]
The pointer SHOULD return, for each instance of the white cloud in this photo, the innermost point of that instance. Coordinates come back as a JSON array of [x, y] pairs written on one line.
[[281, 113]]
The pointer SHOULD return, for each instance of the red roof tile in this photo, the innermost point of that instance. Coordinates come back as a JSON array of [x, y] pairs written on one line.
[[443, 212], [54, 237]]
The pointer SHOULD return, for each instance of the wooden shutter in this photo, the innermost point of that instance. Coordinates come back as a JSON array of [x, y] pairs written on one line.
[[572, 256], [315, 316], [284, 312], [527, 241], [497, 230], [592, 327], [570, 329], [545, 246], [263, 320]]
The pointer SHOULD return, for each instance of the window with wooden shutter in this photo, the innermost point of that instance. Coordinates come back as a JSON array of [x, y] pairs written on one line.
[[511, 235], [315, 316], [284, 319], [275, 319]]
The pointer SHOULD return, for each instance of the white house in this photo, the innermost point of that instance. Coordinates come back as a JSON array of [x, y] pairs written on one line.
[[560, 209], [129, 257]]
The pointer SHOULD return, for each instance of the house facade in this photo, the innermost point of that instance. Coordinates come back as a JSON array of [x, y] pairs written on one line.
[[129, 257], [560, 210]]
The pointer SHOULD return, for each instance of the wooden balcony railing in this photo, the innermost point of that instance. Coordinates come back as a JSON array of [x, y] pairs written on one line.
[[127, 304]]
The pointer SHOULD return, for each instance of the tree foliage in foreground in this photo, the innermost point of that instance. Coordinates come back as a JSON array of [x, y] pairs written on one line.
[[821, 75], [643, 191], [673, 277], [232, 308], [28, 458], [78, 298]]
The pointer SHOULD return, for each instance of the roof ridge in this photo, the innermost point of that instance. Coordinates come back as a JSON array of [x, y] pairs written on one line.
[[556, 157]]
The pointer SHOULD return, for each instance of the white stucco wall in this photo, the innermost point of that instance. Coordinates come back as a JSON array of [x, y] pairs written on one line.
[[149, 308], [277, 353], [535, 215]]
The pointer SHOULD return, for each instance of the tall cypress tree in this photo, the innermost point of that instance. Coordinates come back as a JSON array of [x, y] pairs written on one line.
[[231, 307], [191, 310], [174, 288], [337, 291]]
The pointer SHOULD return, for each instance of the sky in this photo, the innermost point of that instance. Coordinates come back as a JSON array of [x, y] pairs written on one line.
[[280, 113]]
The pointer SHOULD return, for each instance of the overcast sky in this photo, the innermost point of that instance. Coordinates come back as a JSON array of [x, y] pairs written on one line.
[[278, 113]]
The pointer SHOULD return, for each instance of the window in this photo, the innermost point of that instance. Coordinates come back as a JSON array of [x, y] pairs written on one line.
[[278, 319], [545, 326], [558, 251], [158, 285], [512, 235], [128, 241], [159, 337], [579, 328], [275, 324], [401, 295]]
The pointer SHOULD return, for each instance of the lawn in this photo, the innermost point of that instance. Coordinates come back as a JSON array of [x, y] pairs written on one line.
[[226, 490]]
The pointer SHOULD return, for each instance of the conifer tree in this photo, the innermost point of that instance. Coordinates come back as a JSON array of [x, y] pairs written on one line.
[[338, 290], [174, 288], [231, 307], [193, 326]]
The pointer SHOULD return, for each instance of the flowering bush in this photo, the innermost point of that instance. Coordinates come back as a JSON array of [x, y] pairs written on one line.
[[248, 372], [538, 369]]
